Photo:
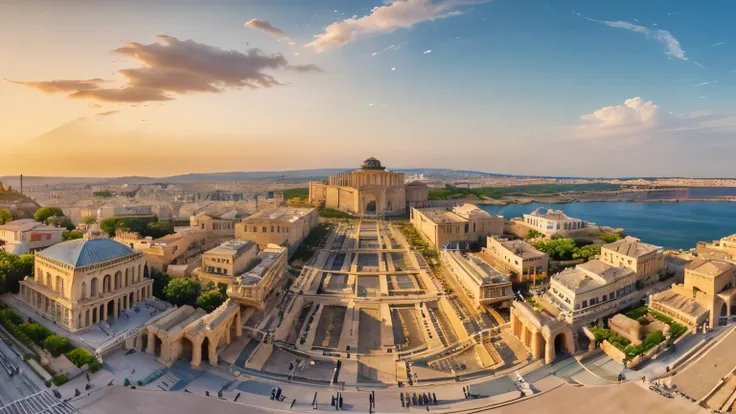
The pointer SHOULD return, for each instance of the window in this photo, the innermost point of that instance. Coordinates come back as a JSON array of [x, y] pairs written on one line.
[[264, 229], [271, 229], [605, 298], [467, 227], [585, 304]]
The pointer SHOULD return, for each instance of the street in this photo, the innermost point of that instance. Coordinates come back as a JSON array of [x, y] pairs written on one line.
[[18, 385]]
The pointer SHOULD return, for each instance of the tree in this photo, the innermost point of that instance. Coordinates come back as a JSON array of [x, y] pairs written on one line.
[[44, 213], [37, 332], [60, 221], [5, 216], [71, 235], [210, 300], [183, 291], [13, 269], [80, 357], [109, 225], [89, 220], [533, 234], [587, 252], [160, 280], [609, 237], [56, 345]]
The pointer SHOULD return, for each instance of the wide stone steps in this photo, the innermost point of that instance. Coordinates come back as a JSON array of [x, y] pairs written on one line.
[[42, 402]]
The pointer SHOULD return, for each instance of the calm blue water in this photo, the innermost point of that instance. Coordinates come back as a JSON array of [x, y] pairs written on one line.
[[672, 225]]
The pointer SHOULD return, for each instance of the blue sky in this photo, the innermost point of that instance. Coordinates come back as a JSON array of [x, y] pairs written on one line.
[[506, 81]]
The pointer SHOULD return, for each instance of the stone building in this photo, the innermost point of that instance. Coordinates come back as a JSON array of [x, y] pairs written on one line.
[[370, 190], [285, 226], [554, 222], [482, 284], [646, 260], [253, 287], [225, 262], [81, 282], [463, 223], [28, 236], [542, 332], [220, 225], [590, 291], [707, 294], [181, 248], [519, 258]]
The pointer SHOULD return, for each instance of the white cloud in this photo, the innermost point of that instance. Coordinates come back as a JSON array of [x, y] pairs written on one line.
[[638, 119], [267, 27], [662, 36], [428, 51], [393, 15], [634, 117], [704, 83]]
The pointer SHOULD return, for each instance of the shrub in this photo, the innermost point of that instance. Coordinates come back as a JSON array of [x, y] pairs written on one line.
[[210, 300], [8, 314], [59, 379], [56, 345], [80, 357], [637, 313], [609, 237], [94, 366], [37, 332], [677, 329], [183, 291]]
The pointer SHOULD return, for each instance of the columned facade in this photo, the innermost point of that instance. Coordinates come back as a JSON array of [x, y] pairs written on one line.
[[541, 334], [77, 292]]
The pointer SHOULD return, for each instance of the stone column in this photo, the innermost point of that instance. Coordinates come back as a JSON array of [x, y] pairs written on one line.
[[536, 345], [151, 346], [196, 354], [238, 325], [549, 352], [514, 323], [116, 308], [103, 308], [213, 352], [524, 336]]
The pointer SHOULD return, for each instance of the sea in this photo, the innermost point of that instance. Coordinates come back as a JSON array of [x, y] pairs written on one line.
[[673, 225]]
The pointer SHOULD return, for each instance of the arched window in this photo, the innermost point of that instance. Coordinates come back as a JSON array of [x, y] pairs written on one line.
[[59, 285], [107, 284], [48, 281], [118, 280], [126, 277], [39, 276], [93, 288], [83, 291]]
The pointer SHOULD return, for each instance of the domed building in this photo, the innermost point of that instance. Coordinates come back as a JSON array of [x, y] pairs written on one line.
[[82, 282], [371, 190]]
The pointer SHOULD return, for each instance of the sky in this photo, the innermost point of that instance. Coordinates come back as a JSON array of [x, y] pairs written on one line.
[[531, 87]]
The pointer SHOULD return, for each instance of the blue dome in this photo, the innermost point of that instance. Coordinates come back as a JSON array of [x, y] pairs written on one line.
[[83, 252]]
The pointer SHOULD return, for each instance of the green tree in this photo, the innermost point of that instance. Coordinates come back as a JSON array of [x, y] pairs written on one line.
[[80, 357], [44, 213], [37, 332], [57, 345], [222, 288], [210, 300], [71, 235], [609, 237], [183, 291], [160, 280], [533, 234], [109, 225], [89, 220], [60, 221], [5, 216], [13, 269], [587, 252], [558, 249]]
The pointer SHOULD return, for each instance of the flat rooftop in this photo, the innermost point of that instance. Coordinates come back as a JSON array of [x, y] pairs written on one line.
[[708, 267], [458, 214], [590, 275], [232, 248], [521, 248], [631, 247], [553, 215], [254, 275], [280, 214]]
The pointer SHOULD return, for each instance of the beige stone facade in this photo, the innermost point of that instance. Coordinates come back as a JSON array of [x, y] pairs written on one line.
[[79, 283], [28, 236], [253, 287], [544, 335], [225, 262], [219, 225], [191, 334], [645, 259], [590, 291], [285, 226], [463, 223], [483, 284], [370, 190], [554, 222], [181, 248], [519, 258], [707, 294]]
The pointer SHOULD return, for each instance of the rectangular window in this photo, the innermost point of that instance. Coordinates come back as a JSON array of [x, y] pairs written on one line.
[[264, 229], [585, 304], [605, 298]]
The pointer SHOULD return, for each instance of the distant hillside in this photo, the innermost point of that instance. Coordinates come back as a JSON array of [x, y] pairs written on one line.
[[19, 205]]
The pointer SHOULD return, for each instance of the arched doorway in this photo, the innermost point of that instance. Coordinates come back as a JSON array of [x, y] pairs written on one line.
[[370, 208], [110, 311], [205, 349], [186, 349], [723, 320], [93, 288], [131, 300], [144, 340], [157, 346], [560, 346]]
